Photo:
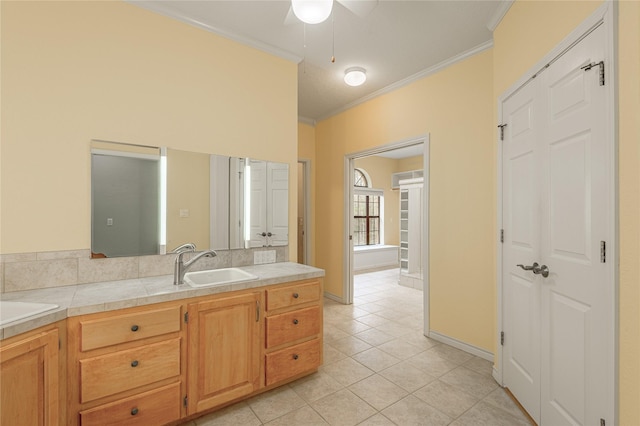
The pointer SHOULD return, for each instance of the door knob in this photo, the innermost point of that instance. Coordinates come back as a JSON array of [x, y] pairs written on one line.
[[529, 268], [536, 269], [541, 270]]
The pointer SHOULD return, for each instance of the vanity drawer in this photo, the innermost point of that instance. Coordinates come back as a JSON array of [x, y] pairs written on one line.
[[291, 326], [291, 361], [128, 327], [155, 407], [296, 294], [112, 373]]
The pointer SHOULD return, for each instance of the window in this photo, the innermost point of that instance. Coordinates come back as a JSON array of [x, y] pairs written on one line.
[[366, 211]]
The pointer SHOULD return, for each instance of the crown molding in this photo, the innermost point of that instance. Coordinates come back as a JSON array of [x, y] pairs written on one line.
[[160, 9], [412, 78], [306, 120], [503, 8]]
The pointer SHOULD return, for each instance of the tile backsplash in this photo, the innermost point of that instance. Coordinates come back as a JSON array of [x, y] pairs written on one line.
[[28, 271]]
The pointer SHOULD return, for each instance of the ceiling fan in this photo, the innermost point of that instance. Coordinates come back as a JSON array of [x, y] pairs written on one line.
[[317, 11]]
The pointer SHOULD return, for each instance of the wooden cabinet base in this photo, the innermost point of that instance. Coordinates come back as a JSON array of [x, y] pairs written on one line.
[[29, 380], [291, 361], [156, 407]]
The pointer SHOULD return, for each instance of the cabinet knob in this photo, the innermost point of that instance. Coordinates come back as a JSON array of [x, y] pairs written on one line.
[[134, 363], [295, 321], [134, 411], [134, 328], [296, 295], [295, 356]]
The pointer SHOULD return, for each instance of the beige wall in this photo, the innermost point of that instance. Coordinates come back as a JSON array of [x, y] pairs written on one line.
[[456, 107], [188, 189], [307, 151], [629, 193], [518, 46], [76, 71], [410, 163]]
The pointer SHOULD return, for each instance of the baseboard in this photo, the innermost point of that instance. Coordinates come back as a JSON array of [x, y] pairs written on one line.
[[334, 297], [473, 350], [496, 375], [376, 269]]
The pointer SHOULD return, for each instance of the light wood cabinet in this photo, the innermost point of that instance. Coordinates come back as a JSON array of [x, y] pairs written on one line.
[[224, 349], [29, 379], [158, 364], [149, 408], [128, 366], [293, 332]]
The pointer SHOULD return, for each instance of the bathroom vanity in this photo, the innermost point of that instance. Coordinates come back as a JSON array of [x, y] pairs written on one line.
[[165, 354]]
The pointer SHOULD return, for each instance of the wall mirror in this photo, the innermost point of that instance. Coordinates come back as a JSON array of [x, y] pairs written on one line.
[[213, 201]]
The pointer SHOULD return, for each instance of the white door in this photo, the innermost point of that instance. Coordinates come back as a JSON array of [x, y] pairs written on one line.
[[576, 297], [277, 204], [521, 223], [258, 204], [556, 204]]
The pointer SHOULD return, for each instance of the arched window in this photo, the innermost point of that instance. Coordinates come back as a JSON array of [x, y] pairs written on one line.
[[366, 210], [359, 179]]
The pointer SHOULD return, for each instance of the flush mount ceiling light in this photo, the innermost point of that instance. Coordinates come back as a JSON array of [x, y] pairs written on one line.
[[312, 11], [355, 76]]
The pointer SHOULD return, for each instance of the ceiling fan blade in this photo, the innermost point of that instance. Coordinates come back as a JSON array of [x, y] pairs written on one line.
[[360, 8], [290, 19]]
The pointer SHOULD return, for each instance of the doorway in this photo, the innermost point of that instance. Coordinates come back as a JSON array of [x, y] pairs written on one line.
[[557, 258], [303, 219], [354, 225]]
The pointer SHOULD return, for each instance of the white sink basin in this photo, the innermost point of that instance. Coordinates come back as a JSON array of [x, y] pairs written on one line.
[[14, 311], [216, 277]]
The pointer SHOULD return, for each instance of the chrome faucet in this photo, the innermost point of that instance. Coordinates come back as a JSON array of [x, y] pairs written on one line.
[[182, 267]]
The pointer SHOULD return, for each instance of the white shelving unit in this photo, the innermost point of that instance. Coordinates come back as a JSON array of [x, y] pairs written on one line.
[[411, 233]]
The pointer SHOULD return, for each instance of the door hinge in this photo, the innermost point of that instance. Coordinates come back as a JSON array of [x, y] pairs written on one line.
[[502, 126], [602, 422], [184, 402], [600, 65], [603, 252], [502, 338], [502, 235], [59, 344], [186, 317]]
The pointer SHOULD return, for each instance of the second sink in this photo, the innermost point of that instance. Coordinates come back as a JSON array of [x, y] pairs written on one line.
[[215, 277]]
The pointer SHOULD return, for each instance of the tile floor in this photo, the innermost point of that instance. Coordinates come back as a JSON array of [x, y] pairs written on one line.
[[380, 370]]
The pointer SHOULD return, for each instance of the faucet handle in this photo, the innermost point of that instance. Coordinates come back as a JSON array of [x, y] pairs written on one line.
[[184, 248]]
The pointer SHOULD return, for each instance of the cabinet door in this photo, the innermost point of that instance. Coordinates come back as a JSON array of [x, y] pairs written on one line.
[[29, 385], [224, 350]]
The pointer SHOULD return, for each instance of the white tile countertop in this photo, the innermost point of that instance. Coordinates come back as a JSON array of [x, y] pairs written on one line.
[[111, 295]]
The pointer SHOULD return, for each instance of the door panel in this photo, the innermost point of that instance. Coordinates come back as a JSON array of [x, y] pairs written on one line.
[[568, 326], [521, 246], [278, 203], [569, 193], [576, 298]]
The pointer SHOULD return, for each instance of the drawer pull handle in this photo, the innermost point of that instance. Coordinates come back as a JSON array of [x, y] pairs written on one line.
[[295, 321], [295, 356], [296, 295], [134, 411], [134, 363], [134, 328]]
